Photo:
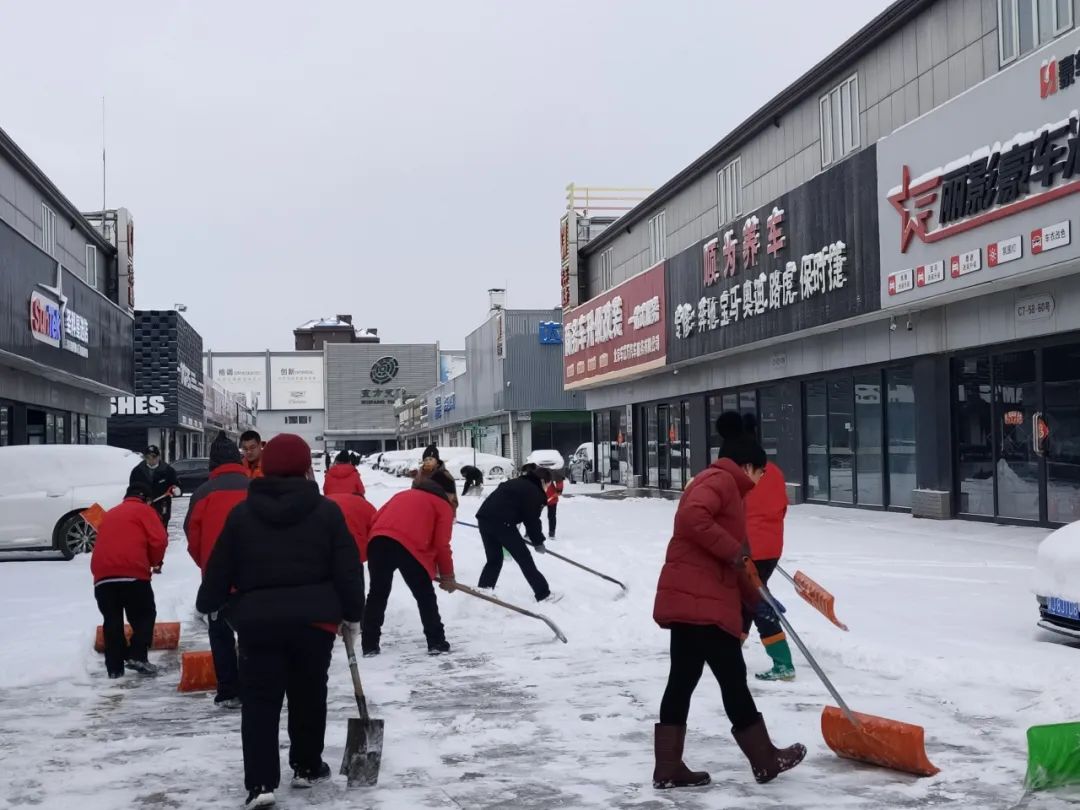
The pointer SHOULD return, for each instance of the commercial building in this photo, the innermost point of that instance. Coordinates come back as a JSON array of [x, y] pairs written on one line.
[[285, 389], [313, 335], [65, 333], [879, 264], [510, 399], [167, 408]]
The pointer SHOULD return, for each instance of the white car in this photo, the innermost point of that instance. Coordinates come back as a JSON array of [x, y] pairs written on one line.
[[1057, 581], [44, 488], [551, 459], [581, 464]]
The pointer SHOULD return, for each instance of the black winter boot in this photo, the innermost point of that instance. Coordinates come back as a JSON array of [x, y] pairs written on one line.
[[766, 760], [671, 771]]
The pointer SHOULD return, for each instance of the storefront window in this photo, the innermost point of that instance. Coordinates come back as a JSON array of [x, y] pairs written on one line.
[[1061, 404], [652, 450], [769, 422], [744, 402], [5, 426], [841, 437], [817, 440], [1016, 395], [869, 457], [974, 436], [50, 428], [664, 439], [676, 437], [900, 419]]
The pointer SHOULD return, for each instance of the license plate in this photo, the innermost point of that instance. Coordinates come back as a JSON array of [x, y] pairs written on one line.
[[1059, 607]]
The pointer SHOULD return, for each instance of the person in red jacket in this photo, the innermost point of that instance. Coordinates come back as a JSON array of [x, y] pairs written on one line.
[[208, 509], [358, 516], [766, 507], [130, 545], [343, 478], [411, 534], [554, 491], [704, 584]]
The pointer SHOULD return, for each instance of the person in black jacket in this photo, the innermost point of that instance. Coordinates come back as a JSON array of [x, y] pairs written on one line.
[[519, 500], [286, 572], [160, 478]]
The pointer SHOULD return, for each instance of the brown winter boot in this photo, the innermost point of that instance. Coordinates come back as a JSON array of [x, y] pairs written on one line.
[[766, 760], [671, 771]]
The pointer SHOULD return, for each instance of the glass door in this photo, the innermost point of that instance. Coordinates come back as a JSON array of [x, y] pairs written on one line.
[[652, 447], [1017, 462], [1061, 432], [841, 441], [869, 458], [663, 444], [817, 441]]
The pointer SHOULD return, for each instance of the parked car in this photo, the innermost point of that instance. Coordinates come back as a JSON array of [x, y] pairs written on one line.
[[192, 473], [44, 488], [1057, 581], [551, 459], [318, 461], [407, 462], [581, 464]]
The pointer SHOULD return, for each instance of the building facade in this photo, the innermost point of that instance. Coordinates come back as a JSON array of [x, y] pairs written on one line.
[[65, 339], [167, 408], [510, 400], [286, 389], [879, 265], [313, 335]]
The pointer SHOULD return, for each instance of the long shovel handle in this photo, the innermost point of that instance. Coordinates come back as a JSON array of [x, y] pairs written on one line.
[[554, 628], [802, 648], [557, 556], [788, 577], [354, 670]]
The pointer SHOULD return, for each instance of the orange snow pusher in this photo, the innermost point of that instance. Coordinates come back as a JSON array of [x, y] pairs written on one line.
[[166, 636], [818, 597], [197, 672], [863, 737], [93, 515]]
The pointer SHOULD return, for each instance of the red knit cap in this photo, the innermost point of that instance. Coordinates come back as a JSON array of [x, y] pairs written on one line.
[[286, 456]]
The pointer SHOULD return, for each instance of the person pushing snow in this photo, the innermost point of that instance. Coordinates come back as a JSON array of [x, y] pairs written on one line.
[[343, 478], [519, 500]]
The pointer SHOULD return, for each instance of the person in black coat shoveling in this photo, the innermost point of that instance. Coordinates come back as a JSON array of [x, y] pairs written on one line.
[[286, 572], [161, 480], [519, 500]]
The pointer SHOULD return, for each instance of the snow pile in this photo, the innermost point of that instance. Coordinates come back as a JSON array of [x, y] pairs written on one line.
[[552, 459], [1057, 564]]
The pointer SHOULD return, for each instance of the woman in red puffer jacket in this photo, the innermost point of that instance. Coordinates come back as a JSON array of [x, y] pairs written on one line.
[[706, 580], [343, 478]]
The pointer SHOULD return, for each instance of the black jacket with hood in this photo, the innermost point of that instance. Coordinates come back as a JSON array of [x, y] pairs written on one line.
[[289, 558], [519, 500]]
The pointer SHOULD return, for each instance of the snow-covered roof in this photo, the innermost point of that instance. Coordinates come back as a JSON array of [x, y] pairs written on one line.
[[336, 323]]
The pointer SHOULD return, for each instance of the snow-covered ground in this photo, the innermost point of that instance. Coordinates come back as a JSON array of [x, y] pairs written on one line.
[[942, 620]]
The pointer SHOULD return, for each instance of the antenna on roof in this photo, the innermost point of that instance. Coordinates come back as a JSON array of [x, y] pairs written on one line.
[[103, 166]]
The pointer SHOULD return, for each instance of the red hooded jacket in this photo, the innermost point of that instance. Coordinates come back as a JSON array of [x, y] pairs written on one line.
[[343, 479], [358, 516], [130, 541], [766, 506], [422, 522], [210, 504], [702, 580], [553, 490]]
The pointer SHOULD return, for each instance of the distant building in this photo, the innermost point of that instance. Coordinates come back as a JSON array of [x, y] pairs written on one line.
[[313, 335]]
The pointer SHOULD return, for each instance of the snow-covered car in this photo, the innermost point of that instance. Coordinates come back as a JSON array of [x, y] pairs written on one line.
[[551, 459], [192, 473], [318, 461], [581, 464], [1057, 581], [44, 488], [406, 462]]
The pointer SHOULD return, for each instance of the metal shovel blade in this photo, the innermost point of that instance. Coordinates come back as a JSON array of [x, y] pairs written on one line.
[[1053, 756], [363, 752], [877, 740]]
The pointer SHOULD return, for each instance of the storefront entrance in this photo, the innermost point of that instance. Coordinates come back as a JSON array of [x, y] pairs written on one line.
[[667, 445], [1017, 434]]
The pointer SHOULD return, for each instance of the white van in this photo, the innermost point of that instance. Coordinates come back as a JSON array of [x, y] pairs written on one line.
[[43, 488]]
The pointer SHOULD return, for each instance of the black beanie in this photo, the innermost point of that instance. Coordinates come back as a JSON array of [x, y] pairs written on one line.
[[431, 451], [223, 451], [739, 443], [344, 457]]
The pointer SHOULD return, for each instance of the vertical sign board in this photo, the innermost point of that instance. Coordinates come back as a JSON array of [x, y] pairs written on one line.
[[619, 334], [296, 382], [568, 247], [806, 259], [987, 186], [244, 375]]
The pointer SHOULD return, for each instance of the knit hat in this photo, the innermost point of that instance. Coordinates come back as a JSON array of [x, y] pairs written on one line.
[[286, 456], [223, 451], [431, 451], [344, 457], [739, 444]]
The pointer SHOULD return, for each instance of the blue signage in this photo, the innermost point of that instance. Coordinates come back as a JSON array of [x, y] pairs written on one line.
[[550, 333]]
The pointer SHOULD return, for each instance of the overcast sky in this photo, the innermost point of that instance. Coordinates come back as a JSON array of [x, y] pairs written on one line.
[[286, 161]]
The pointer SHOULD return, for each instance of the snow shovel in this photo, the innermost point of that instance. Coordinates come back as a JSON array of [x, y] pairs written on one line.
[[557, 556], [863, 737], [93, 515], [166, 636], [364, 741], [197, 673], [1053, 756], [554, 628], [818, 597]]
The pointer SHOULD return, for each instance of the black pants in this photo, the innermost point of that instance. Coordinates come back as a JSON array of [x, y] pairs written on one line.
[[496, 537], [223, 649], [693, 646], [275, 662], [552, 509], [770, 626], [136, 599], [164, 510], [385, 556]]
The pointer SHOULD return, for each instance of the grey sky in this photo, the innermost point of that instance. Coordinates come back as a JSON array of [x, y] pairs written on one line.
[[285, 161]]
